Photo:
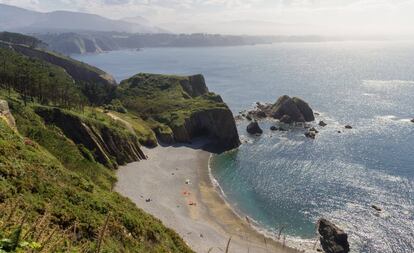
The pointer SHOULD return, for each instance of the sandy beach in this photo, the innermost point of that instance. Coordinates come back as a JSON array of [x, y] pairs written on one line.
[[174, 186]]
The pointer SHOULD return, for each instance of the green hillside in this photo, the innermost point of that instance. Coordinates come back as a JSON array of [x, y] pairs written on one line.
[[57, 168], [45, 176]]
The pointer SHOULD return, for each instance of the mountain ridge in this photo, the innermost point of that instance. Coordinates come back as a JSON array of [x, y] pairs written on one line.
[[23, 20]]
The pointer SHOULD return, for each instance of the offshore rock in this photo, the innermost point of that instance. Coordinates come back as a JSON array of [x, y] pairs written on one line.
[[286, 109], [254, 128], [332, 238], [322, 123]]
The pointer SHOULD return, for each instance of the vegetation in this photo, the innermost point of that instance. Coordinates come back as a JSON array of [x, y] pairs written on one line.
[[55, 195], [141, 128], [161, 100], [38, 81], [116, 105], [17, 38], [48, 177]]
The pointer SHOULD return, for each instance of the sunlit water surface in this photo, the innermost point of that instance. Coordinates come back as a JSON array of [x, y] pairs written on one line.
[[286, 180]]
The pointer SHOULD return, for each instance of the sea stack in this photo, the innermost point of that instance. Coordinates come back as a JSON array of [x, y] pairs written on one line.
[[332, 238], [286, 109]]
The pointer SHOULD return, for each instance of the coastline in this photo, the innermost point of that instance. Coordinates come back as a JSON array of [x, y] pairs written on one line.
[[196, 210]]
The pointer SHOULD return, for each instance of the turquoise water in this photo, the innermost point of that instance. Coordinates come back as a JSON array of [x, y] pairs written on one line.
[[286, 180]]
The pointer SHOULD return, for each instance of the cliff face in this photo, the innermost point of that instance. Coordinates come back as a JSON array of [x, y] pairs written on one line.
[[182, 108], [194, 85], [217, 124], [110, 146]]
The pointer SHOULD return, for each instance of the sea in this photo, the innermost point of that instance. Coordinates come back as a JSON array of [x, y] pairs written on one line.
[[283, 181]]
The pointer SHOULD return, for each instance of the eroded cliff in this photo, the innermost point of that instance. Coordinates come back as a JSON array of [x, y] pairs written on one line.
[[110, 146]]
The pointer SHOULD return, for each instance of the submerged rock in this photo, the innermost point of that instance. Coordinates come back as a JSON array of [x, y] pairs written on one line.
[[332, 238], [322, 124], [286, 119], [310, 134], [313, 130], [273, 128], [377, 208], [254, 128], [348, 127]]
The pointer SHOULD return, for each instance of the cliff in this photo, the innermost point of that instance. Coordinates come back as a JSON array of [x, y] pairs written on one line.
[[180, 108], [111, 147]]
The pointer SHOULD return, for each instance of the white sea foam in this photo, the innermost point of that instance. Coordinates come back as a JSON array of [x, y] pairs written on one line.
[[387, 83]]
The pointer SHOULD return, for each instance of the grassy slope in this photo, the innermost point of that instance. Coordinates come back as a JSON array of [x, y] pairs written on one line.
[[160, 99], [53, 176]]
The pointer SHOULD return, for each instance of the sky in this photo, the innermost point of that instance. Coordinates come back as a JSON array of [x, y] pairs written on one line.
[[255, 17]]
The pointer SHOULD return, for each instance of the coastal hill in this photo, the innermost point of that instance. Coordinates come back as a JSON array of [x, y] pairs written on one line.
[[59, 157], [80, 42], [96, 84], [181, 107]]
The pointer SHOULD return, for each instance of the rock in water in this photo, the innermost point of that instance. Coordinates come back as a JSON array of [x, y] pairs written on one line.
[[286, 109], [377, 208], [322, 124], [286, 106], [286, 119], [333, 239], [273, 128], [412, 120], [304, 108], [348, 127], [297, 109], [254, 128], [310, 134]]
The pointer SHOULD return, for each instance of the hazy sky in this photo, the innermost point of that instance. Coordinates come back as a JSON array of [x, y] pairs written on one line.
[[326, 17]]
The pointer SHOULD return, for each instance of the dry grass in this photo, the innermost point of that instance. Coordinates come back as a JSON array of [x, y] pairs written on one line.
[[21, 231]]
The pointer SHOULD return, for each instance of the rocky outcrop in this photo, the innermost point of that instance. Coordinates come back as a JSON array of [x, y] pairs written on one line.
[[217, 124], [110, 146], [333, 239], [286, 109], [254, 128], [295, 108], [195, 85], [6, 115]]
